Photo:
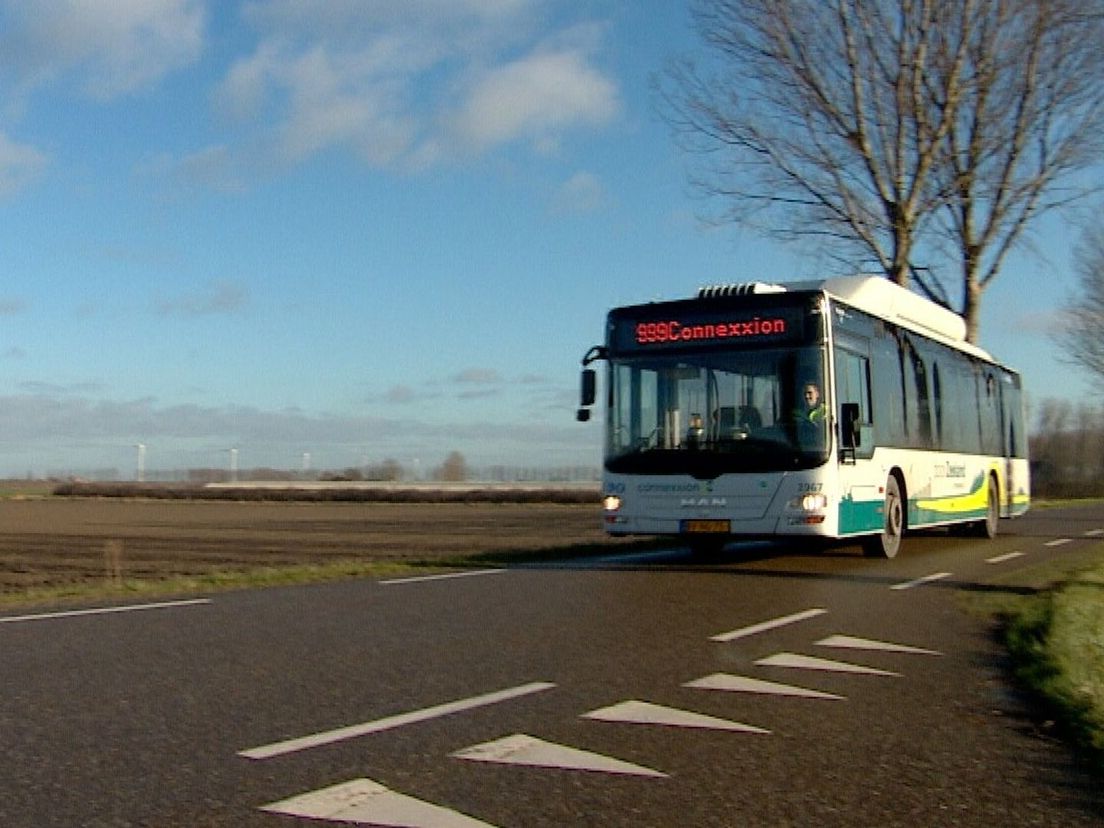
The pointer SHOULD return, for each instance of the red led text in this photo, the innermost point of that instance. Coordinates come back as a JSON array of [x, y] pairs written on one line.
[[649, 333]]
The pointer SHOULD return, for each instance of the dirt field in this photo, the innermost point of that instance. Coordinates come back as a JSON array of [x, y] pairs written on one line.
[[54, 543]]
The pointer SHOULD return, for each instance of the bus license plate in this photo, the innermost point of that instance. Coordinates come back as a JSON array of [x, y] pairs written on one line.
[[706, 527]]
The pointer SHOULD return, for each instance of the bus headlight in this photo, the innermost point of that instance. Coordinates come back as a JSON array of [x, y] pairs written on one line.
[[812, 502], [611, 503]]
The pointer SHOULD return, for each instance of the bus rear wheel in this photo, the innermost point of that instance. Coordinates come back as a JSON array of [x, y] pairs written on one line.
[[987, 528], [887, 543]]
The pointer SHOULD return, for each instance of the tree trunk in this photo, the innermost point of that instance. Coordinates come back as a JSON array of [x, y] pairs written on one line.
[[971, 304]]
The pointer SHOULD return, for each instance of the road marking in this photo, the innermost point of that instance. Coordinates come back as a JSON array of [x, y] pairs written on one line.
[[1009, 556], [1092, 533], [45, 616], [1059, 542], [848, 642], [364, 802], [521, 749], [744, 632], [800, 662], [367, 728], [418, 579], [927, 579], [646, 713], [743, 684]]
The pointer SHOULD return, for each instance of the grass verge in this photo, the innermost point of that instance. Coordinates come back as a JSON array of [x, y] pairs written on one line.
[[1057, 644], [221, 580], [1052, 621]]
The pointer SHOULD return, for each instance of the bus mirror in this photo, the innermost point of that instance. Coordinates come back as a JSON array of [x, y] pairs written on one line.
[[583, 415], [851, 436], [588, 387]]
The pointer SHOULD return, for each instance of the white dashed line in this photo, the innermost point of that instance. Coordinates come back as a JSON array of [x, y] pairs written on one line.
[[1058, 542], [769, 625], [1004, 558], [353, 731], [46, 616], [927, 579], [418, 579], [1093, 533]]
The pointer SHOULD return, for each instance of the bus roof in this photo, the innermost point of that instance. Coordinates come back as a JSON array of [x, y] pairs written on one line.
[[879, 297]]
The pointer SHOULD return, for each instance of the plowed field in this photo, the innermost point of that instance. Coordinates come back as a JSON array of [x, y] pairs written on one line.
[[53, 543]]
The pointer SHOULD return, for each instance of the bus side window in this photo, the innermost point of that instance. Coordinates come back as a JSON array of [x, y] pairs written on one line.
[[937, 398], [853, 386], [921, 402]]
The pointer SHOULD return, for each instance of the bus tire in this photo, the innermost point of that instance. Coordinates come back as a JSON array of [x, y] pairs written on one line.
[[987, 528], [887, 543]]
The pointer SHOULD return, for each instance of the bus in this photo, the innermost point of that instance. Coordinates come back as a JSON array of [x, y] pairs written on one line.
[[847, 409]]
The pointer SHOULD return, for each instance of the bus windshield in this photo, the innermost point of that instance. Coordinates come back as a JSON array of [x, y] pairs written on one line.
[[708, 413]]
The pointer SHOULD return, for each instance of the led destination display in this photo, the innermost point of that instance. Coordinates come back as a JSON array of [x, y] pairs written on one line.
[[686, 328], [676, 331]]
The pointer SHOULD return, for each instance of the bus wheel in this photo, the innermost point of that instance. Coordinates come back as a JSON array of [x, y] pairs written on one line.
[[887, 543], [988, 528]]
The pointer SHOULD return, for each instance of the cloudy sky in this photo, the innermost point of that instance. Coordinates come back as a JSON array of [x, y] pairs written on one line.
[[358, 229]]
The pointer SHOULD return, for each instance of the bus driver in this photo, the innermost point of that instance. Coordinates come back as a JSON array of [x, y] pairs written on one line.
[[813, 410]]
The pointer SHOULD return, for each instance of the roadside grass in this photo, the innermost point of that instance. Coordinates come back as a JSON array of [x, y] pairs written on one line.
[[229, 579], [552, 554], [25, 489], [1057, 643], [1051, 619], [218, 580]]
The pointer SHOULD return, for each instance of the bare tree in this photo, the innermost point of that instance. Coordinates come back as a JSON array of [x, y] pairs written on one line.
[[882, 127], [1029, 118], [1081, 334], [454, 469]]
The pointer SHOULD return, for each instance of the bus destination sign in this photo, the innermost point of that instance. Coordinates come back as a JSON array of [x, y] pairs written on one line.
[[676, 330], [648, 333]]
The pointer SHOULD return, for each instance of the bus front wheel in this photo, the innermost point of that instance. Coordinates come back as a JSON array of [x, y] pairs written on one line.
[[887, 543]]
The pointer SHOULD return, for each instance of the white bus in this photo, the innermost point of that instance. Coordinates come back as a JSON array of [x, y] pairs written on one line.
[[845, 408]]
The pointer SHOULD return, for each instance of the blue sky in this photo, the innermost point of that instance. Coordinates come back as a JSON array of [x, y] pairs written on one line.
[[358, 230]]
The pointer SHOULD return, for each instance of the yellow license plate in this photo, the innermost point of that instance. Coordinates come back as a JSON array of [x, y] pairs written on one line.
[[707, 527]]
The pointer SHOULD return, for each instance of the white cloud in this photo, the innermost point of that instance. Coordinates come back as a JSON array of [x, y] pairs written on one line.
[[338, 19], [405, 85], [217, 298], [55, 428], [478, 376], [582, 193], [535, 96], [109, 47], [11, 306], [401, 394], [19, 165]]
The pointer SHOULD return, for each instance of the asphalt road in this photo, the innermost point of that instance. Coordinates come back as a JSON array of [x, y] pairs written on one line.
[[654, 690]]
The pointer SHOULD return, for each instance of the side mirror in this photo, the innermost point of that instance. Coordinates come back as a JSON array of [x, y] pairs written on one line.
[[850, 431], [587, 395], [589, 387]]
